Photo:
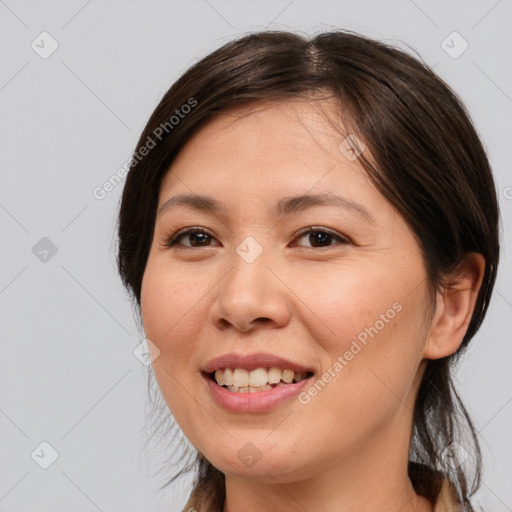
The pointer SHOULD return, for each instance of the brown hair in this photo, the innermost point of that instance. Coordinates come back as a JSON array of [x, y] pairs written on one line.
[[428, 162]]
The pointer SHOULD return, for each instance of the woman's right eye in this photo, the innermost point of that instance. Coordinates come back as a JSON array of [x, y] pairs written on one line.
[[196, 238]]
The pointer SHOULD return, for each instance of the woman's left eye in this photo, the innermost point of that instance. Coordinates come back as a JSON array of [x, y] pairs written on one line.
[[321, 237]]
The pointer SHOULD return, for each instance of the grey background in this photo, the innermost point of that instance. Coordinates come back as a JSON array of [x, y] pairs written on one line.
[[68, 375]]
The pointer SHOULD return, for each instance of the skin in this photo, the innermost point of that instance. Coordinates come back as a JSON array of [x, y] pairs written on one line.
[[347, 448]]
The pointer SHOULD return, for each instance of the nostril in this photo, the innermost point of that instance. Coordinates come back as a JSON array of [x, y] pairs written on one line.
[[261, 319]]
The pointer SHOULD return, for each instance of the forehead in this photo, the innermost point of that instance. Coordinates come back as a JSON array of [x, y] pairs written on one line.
[[274, 127], [272, 147]]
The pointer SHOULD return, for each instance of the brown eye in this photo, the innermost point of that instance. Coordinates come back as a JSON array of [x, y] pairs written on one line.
[[321, 237], [194, 237]]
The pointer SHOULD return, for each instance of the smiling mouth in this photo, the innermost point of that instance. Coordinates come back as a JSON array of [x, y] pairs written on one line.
[[240, 380]]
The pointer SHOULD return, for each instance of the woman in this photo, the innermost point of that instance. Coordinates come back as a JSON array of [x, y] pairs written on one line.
[[310, 231]]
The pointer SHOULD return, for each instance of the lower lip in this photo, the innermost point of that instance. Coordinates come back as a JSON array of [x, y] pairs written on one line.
[[261, 401]]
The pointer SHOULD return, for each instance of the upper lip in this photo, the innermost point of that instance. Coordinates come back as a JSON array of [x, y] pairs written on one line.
[[253, 361]]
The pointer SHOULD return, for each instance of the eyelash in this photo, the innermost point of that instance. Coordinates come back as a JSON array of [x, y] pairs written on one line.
[[172, 241]]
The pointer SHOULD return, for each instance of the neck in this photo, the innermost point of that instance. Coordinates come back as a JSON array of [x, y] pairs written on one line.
[[333, 492]]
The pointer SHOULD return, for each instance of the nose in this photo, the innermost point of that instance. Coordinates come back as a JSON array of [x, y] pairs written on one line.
[[251, 296]]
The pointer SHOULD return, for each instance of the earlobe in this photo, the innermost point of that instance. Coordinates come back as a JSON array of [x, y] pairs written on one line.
[[454, 307]]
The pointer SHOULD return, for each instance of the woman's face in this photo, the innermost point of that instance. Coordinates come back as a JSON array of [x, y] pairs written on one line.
[[346, 302]]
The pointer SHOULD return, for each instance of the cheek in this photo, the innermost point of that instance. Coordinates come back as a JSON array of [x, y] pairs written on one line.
[[369, 325], [348, 302], [177, 384], [170, 305]]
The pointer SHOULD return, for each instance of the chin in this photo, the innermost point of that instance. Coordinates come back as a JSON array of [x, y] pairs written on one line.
[[258, 460]]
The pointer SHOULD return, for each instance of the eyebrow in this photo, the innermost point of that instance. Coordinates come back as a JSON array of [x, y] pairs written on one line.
[[284, 207]]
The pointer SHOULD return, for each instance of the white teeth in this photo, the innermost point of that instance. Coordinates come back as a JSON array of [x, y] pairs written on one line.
[[274, 375], [249, 389], [258, 378], [240, 378], [287, 376], [228, 377]]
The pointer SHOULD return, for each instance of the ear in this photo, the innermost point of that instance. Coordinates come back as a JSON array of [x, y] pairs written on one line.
[[455, 303]]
